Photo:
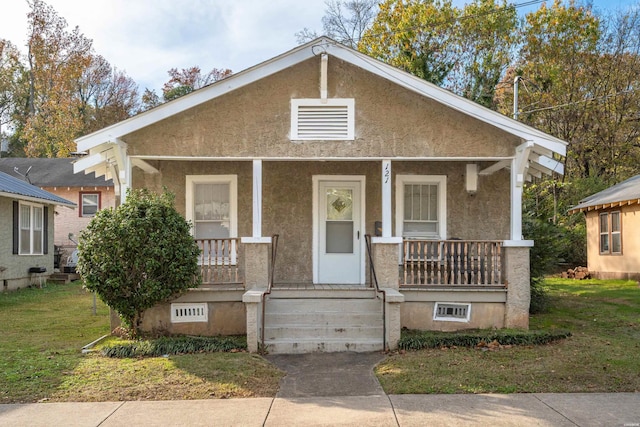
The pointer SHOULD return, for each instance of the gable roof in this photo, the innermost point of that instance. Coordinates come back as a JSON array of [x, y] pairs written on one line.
[[19, 189], [542, 145], [624, 193], [51, 172]]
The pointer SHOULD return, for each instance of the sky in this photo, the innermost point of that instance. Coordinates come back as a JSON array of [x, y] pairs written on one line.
[[146, 38]]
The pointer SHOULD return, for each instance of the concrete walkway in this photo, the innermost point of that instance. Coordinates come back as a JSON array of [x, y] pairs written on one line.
[[339, 389], [596, 409]]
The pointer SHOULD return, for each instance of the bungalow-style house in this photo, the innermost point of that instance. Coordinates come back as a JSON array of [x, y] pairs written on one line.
[[26, 232], [613, 224], [336, 200], [56, 176]]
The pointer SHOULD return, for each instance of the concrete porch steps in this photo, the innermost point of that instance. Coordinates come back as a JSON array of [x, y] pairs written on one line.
[[63, 278], [319, 321]]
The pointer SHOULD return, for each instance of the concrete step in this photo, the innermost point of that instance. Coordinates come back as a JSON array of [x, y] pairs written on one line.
[[323, 318], [298, 346], [323, 333], [300, 305]]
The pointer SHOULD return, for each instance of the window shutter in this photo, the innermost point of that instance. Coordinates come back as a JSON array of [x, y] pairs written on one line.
[[45, 231], [16, 227]]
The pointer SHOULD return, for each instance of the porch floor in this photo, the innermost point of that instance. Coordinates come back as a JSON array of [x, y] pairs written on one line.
[[317, 286]]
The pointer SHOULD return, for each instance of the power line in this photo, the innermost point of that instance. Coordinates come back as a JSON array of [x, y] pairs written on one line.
[[553, 107]]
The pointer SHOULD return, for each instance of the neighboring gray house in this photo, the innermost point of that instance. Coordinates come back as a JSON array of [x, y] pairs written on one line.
[[56, 176], [26, 232]]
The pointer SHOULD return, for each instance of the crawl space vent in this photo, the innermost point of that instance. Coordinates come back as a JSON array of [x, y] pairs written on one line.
[[452, 312], [189, 312]]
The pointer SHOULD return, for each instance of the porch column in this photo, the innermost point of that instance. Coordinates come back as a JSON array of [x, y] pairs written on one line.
[[253, 303], [517, 278], [386, 198], [518, 169], [386, 253], [256, 247]]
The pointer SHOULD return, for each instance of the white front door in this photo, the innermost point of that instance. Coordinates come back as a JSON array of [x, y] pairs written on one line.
[[338, 232]]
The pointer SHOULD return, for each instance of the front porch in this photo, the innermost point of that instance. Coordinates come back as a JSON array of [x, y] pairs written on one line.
[[441, 285]]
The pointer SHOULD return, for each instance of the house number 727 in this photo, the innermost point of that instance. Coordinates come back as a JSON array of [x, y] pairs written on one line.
[[387, 174]]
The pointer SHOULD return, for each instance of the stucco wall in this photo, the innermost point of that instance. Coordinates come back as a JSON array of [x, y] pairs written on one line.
[[254, 120], [15, 272], [288, 201], [612, 266], [225, 318]]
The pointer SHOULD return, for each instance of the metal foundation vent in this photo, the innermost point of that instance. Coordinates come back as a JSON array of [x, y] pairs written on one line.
[[189, 312], [452, 312]]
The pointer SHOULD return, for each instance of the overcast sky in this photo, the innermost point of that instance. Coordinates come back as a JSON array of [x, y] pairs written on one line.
[[146, 38]]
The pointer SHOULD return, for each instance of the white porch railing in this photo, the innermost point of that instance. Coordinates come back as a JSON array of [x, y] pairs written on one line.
[[219, 261], [452, 262]]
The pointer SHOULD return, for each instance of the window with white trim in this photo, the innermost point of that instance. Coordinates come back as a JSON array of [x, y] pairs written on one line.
[[212, 206], [31, 226], [317, 119], [421, 206], [89, 204], [610, 233]]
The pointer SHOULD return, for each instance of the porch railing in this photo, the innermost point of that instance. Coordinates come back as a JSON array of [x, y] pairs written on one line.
[[219, 261], [452, 262]]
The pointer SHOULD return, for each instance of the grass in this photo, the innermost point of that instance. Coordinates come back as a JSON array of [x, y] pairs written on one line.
[[44, 330], [601, 355]]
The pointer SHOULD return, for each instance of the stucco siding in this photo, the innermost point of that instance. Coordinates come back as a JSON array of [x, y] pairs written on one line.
[[254, 121], [15, 272], [626, 265], [288, 201]]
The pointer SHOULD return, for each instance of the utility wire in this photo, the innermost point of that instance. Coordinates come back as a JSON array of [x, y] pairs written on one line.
[[553, 107]]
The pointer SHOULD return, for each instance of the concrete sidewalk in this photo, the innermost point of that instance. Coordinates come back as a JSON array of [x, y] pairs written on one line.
[[596, 409]]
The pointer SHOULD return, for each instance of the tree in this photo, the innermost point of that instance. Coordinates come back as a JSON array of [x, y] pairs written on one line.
[[189, 79], [106, 95], [11, 71], [344, 21], [138, 255], [415, 35], [182, 82], [56, 61]]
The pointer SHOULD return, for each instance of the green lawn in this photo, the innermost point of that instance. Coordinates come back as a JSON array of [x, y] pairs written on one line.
[[601, 356], [43, 331]]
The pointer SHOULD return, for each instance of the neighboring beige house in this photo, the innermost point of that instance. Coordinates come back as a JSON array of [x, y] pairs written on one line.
[[57, 177], [26, 232], [323, 146], [613, 227]]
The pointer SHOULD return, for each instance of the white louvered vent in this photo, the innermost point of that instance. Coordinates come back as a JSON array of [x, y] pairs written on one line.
[[452, 312], [312, 119], [189, 312]]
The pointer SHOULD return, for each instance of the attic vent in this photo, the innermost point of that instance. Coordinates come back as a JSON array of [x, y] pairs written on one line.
[[311, 119], [452, 312], [189, 312]]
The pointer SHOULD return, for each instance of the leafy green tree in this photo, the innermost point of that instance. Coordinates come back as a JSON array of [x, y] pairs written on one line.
[[138, 255]]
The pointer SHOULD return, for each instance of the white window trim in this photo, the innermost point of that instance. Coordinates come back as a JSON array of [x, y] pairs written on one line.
[[440, 181], [232, 180], [31, 228], [312, 102], [82, 204], [609, 233]]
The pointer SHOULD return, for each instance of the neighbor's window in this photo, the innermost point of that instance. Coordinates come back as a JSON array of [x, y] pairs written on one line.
[[610, 233], [420, 206], [31, 229], [89, 204]]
